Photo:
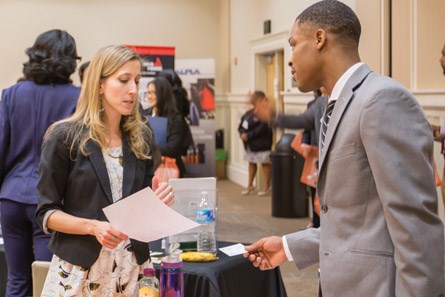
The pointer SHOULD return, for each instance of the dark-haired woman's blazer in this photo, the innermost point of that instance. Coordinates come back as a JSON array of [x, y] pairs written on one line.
[[27, 110]]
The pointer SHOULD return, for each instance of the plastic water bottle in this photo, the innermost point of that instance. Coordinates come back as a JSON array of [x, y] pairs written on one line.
[[205, 215], [172, 276], [149, 284]]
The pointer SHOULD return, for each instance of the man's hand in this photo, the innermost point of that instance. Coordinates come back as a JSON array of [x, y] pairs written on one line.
[[267, 253]]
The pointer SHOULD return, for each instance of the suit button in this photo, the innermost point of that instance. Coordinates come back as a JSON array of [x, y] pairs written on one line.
[[324, 208]]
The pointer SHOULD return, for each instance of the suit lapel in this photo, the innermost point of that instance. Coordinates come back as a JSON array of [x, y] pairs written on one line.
[[341, 105], [97, 159], [129, 163]]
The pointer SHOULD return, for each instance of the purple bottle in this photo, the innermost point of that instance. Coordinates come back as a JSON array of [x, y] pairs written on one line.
[[172, 276]]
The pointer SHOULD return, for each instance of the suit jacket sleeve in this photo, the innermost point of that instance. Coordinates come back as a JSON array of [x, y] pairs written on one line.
[[399, 153], [5, 134], [304, 247], [305, 120]]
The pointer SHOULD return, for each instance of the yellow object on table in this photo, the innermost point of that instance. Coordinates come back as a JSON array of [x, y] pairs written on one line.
[[198, 257]]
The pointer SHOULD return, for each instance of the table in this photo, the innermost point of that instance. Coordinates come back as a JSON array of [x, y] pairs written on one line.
[[226, 277], [229, 277], [3, 271]]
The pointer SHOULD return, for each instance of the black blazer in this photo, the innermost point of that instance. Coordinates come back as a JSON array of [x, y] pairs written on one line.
[[81, 187], [175, 139], [259, 134]]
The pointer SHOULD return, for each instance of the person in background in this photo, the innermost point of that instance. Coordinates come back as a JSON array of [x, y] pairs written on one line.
[[257, 139], [380, 233], [44, 95], [439, 131], [82, 70], [309, 120], [98, 156], [183, 106], [182, 101], [163, 104], [310, 138]]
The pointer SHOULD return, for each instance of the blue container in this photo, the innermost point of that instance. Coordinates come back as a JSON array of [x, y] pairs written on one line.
[[172, 277]]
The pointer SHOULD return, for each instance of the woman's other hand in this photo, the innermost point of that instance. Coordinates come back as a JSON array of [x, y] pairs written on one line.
[[163, 190]]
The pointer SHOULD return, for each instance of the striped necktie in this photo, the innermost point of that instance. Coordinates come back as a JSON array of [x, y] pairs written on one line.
[[326, 119]]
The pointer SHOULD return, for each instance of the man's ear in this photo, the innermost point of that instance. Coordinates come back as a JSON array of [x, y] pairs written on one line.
[[320, 38]]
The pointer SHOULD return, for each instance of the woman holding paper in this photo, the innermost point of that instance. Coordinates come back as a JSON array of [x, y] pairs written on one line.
[[163, 104], [101, 154]]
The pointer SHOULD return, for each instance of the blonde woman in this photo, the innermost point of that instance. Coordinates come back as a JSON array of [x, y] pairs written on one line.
[[101, 154], [257, 140]]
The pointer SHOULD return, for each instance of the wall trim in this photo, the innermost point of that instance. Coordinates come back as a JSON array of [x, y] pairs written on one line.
[[267, 44], [237, 175]]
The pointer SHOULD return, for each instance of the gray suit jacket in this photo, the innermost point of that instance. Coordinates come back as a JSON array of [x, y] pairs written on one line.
[[380, 235], [308, 120]]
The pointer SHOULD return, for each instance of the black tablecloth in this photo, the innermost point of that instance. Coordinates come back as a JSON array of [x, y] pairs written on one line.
[[229, 277], [226, 277], [3, 272]]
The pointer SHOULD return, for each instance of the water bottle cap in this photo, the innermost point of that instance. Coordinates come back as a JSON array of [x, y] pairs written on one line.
[[149, 272], [171, 261]]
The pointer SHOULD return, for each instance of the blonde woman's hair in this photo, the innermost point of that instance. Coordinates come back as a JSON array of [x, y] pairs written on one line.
[[257, 96], [87, 122]]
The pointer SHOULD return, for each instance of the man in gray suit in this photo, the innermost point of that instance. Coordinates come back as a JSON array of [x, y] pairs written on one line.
[[380, 234]]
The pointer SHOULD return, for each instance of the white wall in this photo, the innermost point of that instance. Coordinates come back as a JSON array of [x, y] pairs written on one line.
[[246, 23], [197, 28]]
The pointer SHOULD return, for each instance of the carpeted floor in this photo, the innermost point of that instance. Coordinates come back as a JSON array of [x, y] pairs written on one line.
[[248, 218]]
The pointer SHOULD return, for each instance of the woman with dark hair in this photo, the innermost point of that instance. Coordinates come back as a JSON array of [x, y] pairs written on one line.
[[162, 103], [45, 95], [182, 102]]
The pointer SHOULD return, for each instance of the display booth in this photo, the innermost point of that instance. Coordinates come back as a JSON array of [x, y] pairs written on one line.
[[198, 78], [154, 60]]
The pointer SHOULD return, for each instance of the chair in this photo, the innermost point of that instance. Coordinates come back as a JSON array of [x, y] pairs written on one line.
[[39, 272]]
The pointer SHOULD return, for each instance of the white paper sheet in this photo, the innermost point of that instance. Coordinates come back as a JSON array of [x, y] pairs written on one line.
[[233, 250], [144, 217]]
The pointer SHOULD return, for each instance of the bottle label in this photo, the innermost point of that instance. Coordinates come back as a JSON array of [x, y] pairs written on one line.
[[205, 216]]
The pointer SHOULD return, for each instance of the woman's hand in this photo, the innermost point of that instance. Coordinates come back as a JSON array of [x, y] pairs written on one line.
[[107, 235], [163, 190]]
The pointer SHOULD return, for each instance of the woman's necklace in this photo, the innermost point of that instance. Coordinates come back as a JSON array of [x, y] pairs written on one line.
[[118, 156], [113, 162]]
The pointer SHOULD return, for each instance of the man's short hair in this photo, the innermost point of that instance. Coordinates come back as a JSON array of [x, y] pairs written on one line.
[[335, 17]]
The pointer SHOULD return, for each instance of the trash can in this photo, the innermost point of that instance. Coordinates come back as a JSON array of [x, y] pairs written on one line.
[[219, 139], [289, 198]]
